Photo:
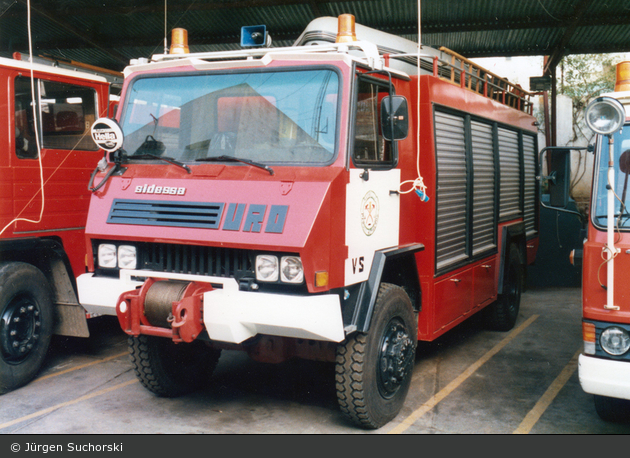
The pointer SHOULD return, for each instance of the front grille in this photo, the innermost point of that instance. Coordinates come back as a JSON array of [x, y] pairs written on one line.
[[206, 215], [193, 260]]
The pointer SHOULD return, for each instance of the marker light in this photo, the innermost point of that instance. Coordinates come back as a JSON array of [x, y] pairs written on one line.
[[179, 41], [345, 29], [588, 336], [321, 279], [622, 82], [605, 115]]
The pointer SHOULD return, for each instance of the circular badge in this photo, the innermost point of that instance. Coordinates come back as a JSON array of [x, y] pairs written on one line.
[[107, 134], [369, 213]]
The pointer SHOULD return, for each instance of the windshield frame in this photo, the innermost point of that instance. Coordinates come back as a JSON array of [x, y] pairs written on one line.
[[599, 193], [337, 112]]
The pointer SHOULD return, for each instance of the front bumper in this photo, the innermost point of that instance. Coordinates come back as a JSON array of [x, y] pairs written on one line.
[[229, 315], [605, 377]]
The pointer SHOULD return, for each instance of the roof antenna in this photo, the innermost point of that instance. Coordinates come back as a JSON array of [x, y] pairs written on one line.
[[165, 31]]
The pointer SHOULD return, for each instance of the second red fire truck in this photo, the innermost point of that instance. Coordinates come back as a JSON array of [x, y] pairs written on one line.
[[337, 200], [604, 365], [46, 157]]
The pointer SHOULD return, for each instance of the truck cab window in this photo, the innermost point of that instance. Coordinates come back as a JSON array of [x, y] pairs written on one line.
[[370, 148], [65, 113]]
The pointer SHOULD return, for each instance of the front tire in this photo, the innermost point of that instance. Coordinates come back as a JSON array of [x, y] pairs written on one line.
[[373, 369], [168, 369], [26, 323], [612, 409]]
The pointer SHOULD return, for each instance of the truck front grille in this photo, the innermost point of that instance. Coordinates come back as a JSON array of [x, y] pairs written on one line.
[[195, 260]]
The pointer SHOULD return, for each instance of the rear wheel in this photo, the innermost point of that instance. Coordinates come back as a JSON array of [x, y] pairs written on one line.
[[169, 369], [502, 315], [26, 323], [373, 369]]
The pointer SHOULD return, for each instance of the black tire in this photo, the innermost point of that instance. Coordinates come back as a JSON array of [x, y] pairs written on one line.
[[503, 313], [26, 323], [373, 369], [612, 409], [168, 369]]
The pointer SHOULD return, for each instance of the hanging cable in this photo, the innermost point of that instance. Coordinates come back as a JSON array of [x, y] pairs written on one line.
[[35, 105], [417, 185], [165, 29]]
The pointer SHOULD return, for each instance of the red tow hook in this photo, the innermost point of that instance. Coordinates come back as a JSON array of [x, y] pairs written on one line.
[[188, 313]]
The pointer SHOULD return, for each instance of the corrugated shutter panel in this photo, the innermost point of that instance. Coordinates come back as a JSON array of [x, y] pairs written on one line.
[[451, 189], [529, 162], [483, 188], [509, 162]]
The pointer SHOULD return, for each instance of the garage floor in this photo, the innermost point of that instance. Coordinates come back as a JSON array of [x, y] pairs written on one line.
[[470, 381]]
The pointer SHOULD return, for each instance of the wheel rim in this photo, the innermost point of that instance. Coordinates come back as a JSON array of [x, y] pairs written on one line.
[[20, 329], [514, 289], [395, 358]]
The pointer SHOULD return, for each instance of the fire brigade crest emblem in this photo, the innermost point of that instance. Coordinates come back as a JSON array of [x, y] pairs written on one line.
[[369, 213]]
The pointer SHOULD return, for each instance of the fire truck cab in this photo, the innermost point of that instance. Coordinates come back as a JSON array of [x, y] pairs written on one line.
[[46, 159], [604, 365], [336, 200]]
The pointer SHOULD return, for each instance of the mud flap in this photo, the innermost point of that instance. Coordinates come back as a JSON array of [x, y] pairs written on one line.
[[70, 320]]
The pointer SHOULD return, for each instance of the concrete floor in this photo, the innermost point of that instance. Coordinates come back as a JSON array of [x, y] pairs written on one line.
[[470, 381]]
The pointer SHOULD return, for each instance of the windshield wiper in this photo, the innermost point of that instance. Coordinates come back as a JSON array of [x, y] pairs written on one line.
[[170, 160], [236, 159]]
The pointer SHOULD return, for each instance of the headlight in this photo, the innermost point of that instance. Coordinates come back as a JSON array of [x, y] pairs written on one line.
[[107, 256], [127, 257], [291, 269], [267, 268], [615, 341], [605, 115]]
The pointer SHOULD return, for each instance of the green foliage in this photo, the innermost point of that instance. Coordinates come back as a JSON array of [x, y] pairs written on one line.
[[584, 76]]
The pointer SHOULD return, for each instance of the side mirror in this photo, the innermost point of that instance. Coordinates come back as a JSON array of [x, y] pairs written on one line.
[[394, 117], [559, 177]]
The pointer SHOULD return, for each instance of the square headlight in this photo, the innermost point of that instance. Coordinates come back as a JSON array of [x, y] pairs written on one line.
[[127, 257], [107, 257], [267, 268], [291, 270]]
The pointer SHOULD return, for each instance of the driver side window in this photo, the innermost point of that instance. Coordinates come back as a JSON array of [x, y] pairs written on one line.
[[370, 148]]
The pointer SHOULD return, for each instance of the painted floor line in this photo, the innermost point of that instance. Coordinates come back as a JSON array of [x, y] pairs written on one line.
[[76, 368], [448, 389], [546, 399], [39, 413]]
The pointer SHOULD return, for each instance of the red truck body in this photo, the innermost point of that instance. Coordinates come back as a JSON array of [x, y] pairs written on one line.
[[263, 201]]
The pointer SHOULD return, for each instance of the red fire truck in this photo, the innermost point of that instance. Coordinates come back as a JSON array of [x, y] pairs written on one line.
[[47, 156], [337, 200], [604, 365]]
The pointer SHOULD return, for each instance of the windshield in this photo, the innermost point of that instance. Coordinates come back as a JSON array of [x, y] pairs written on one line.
[[270, 116], [621, 160]]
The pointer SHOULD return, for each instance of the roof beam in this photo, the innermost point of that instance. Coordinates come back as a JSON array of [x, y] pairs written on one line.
[[560, 50], [60, 22]]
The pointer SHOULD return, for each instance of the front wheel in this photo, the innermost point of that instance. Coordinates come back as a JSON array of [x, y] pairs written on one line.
[[612, 409], [373, 369], [26, 323], [168, 369]]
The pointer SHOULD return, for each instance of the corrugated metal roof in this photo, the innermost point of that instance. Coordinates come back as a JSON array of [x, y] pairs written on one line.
[[108, 33]]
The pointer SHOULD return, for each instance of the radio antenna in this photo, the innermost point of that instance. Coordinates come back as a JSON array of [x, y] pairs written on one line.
[[165, 30]]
